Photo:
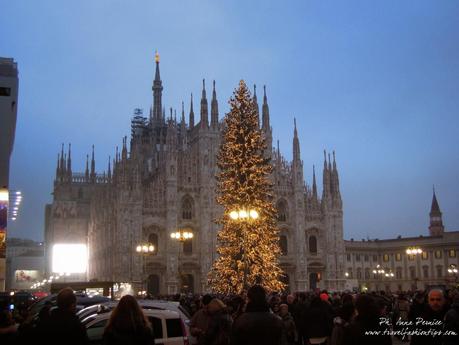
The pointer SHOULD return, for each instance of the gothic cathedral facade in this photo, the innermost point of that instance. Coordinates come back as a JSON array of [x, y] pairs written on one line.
[[164, 182]]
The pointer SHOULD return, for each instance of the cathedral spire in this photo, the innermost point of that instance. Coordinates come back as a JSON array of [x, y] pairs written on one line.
[[62, 167], [326, 181], [93, 167], [86, 172], [109, 171], [124, 151], [191, 121], [69, 164], [182, 120], [314, 185], [157, 93], [58, 166], [335, 183], [204, 109], [214, 109], [296, 143], [255, 103], [265, 111], [436, 227]]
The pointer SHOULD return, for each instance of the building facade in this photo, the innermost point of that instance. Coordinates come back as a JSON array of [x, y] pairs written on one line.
[[8, 111], [164, 180], [386, 264]]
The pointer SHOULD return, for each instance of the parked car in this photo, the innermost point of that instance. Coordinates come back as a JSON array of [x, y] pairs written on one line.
[[168, 326], [83, 301]]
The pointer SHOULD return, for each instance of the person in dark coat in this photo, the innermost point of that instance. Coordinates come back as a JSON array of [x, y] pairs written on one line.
[[128, 325], [219, 330], [367, 320], [318, 322], [63, 326], [257, 325], [430, 319], [452, 323]]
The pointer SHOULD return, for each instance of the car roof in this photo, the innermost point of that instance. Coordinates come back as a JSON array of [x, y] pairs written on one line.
[[165, 314]]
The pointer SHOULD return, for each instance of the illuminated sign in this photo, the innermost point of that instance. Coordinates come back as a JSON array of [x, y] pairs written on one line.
[[27, 276], [70, 258]]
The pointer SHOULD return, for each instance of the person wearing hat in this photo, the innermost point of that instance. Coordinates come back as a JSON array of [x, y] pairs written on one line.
[[257, 325], [200, 320]]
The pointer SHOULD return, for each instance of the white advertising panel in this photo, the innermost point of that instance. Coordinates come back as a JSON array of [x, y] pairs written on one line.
[[70, 258]]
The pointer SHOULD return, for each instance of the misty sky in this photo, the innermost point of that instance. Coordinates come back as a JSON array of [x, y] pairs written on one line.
[[376, 81]]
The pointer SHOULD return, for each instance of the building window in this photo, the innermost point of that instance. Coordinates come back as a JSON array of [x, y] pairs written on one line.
[[386, 257], [375, 258], [366, 257], [282, 214], [187, 208], [398, 257], [367, 273], [312, 245], [398, 273], [452, 253], [359, 273], [425, 255], [349, 270], [439, 271], [5, 91], [357, 257], [188, 247], [425, 271], [283, 244], [153, 239], [410, 257], [80, 193], [438, 254], [412, 272], [348, 257]]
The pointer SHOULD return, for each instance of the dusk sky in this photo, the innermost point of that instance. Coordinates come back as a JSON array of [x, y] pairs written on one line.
[[376, 81]]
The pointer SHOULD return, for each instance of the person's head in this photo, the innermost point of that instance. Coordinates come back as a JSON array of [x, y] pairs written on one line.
[[366, 307], [290, 299], [436, 299], [324, 297], [206, 300], [283, 309], [6, 319], [257, 295], [215, 306], [66, 300], [128, 316]]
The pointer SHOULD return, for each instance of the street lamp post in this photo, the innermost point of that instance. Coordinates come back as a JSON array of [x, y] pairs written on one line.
[[415, 252], [452, 270], [244, 215], [144, 249]]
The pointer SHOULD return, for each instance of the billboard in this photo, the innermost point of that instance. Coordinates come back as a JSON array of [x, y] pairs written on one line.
[[69, 258], [24, 276]]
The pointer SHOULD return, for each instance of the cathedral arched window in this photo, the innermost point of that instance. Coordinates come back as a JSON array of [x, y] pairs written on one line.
[[153, 239], [187, 208], [80, 193], [312, 244], [283, 244], [282, 211]]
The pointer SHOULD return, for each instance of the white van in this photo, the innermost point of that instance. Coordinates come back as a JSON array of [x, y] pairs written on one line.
[[168, 327]]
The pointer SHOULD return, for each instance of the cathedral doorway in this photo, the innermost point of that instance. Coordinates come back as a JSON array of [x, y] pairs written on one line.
[[186, 283], [313, 280], [153, 284]]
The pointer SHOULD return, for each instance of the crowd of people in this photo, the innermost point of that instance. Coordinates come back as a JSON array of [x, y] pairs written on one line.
[[256, 317]]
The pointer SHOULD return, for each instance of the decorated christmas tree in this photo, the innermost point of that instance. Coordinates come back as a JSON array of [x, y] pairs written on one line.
[[248, 242]]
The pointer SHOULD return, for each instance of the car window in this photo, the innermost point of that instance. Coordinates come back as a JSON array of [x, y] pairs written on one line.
[[96, 331], [174, 328], [157, 327]]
